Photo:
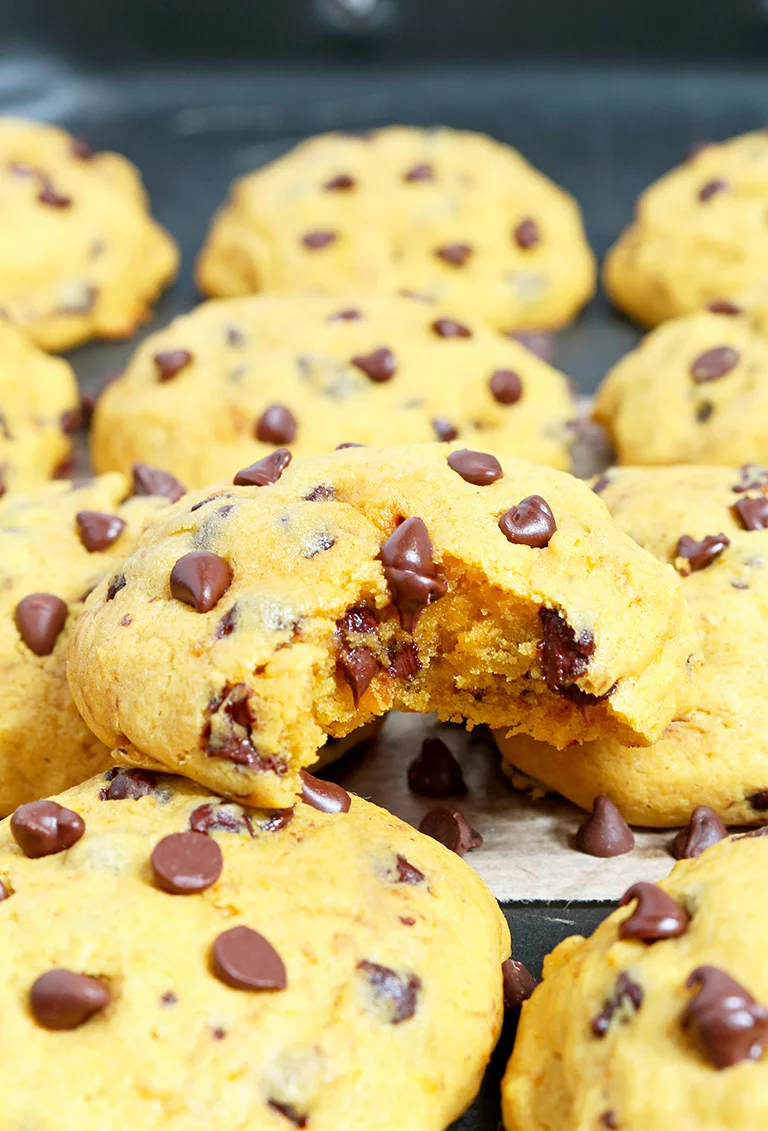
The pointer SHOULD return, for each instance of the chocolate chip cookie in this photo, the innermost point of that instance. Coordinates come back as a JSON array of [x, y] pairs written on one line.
[[712, 525], [230, 382], [449, 214], [184, 962], [81, 257], [660, 1019], [308, 598]]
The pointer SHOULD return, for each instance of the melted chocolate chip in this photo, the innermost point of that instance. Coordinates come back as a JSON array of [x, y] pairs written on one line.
[[530, 523], [404, 662], [152, 481], [61, 999], [316, 241], [444, 430], [342, 182], [726, 1020], [98, 531], [527, 234], [276, 425], [448, 328], [712, 188], [358, 619], [186, 863], [379, 366], [422, 171], [359, 667], [227, 624], [605, 832], [115, 585], [451, 828], [752, 513], [723, 306], [406, 872], [221, 816], [656, 915], [435, 773], [704, 829], [714, 364], [477, 468], [264, 472], [456, 254], [170, 362], [128, 785], [395, 995], [626, 995], [243, 959], [200, 579], [44, 828], [701, 554], [410, 571], [519, 983], [563, 657], [326, 796], [40, 617], [506, 387]]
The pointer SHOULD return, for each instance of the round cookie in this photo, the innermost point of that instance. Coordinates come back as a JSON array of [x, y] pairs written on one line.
[[660, 1019], [421, 578], [224, 385], [220, 967], [80, 255], [699, 235], [449, 214], [717, 755], [50, 560], [39, 407]]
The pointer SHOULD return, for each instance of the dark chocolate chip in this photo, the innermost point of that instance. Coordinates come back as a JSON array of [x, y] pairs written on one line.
[[712, 188], [563, 657], [359, 667], [519, 983], [126, 620], [395, 995], [448, 328], [49, 195], [243, 959], [264, 472], [186, 863], [451, 828], [115, 585], [43, 828], [605, 832], [342, 182], [220, 815], [704, 829], [723, 306], [128, 785], [227, 624], [751, 477], [379, 366], [358, 619], [444, 430], [40, 617], [169, 998], [540, 342], [435, 773], [98, 531], [410, 571], [404, 662], [714, 364], [348, 315], [200, 579], [297, 1118], [422, 171], [326, 796], [530, 523], [752, 513], [656, 915], [701, 554], [456, 254], [759, 800], [506, 387], [724, 1017], [170, 362], [320, 494], [152, 481], [626, 995], [61, 999], [608, 1120], [478, 468], [527, 234], [407, 873], [316, 241], [276, 425]]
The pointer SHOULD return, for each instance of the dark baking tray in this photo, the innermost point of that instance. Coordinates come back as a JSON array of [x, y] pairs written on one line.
[[603, 130]]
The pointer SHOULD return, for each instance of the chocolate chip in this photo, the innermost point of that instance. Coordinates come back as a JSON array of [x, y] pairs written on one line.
[[52, 197], [605, 832], [326, 796], [435, 773], [420, 172], [444, 430], [723, 306], [320, 494], [711, 188], [226, 625], [447, 328], [290, 1112], [404, 662], [359, 667], [200, 579], [751, 477], [714, 364], [626, 995], [128, 785], [530, 523], [243, 959], [380, 365], [115, 585], [527, 234], [759, 800], [519, 983], [656, 915], [61, 999], [126, 620], [80, 149], [601, 483], [701, 554], [358, 619], [348, 315], [752, 513], [69, 422], [477, 468], [704, 412], [506, 387], [316, 241], [40, 617], [220, 815], [170, 362], [395, 995], [563, 657], [43, 828], [451, 828], [410, 571], [726, 1020], [276, 425], [264, 472], [152, 481], [169, 998], [608, 1120], [704, 829], [348, 444], [342, 182], [456, 254], [540, 342], [407, 873], [186, 863], [98, 531]]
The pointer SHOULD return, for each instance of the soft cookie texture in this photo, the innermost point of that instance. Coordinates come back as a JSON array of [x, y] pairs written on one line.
[[39, 407], [421, 578], [660, 1019], [699, 235], [176, 963], [80, 255], [711, 522], [56, 543], [226, 384], [452, 215]]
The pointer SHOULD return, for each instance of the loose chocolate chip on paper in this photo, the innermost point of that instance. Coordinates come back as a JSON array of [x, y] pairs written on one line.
[[276, 425], [170, 362], [448, 328], [186, 863], [564, 658], [530, 523], [326, 796], [626, 995], [422, 171], [342, 182], [450, 828], [724, 1017], [379, 366], [723, 306], [62, 1000], [245, 960], [395, 995], [359, 667], [519, 983], [701, 554], [40, 617], [436, 773], [506, 387], [444, 430], [200, 579], [704, 829], [264, 472], [44, 828], [605, 832], [316, 241], [152, 481], [98, 531], [714, 364], [456, 254], [752, 513], [410, 571], [527, 234], [712, 188], [656, 915], [407, 873], [478, 468]]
